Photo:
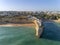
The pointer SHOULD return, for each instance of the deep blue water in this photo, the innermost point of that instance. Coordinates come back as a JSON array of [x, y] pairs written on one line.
[[51, 31]]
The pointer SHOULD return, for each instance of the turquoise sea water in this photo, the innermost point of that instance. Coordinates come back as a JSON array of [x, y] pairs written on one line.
[[26, 36]]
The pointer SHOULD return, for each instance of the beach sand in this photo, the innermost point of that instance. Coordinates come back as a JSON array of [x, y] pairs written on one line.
[[58, 21], [10, 25]]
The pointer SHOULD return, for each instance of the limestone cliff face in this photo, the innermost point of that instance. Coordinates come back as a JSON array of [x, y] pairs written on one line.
[[37, 26]]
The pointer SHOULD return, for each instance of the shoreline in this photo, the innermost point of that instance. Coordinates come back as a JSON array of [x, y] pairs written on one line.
[[28, 24], [58, 21], [11, 25]]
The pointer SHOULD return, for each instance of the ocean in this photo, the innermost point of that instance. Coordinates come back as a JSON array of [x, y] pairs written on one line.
[[26, 35]]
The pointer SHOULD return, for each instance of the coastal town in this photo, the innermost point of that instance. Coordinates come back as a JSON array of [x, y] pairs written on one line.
[[18, 16]]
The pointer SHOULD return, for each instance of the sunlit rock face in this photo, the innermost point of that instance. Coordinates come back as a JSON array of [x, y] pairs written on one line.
[[37, 23]]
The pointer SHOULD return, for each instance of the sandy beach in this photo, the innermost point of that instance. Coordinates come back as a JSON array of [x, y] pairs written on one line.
[[9, 25], [58, 21]]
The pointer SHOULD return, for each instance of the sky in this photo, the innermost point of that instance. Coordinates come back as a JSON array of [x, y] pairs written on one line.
[[29, 5]]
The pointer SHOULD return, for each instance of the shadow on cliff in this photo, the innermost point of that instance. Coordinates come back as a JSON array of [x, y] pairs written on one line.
[[51, 31]]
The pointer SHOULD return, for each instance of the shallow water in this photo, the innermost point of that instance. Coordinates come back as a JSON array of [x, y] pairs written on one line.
[[22, 36]]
